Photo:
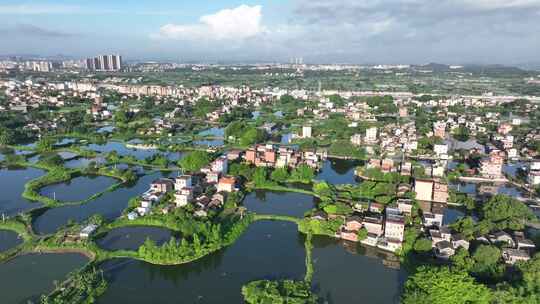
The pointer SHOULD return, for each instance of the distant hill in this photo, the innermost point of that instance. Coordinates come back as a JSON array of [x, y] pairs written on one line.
[[472, 68], [529, 66], [493, 68], [435, 67]]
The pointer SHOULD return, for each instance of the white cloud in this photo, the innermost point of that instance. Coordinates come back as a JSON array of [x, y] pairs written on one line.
[[229, 24]]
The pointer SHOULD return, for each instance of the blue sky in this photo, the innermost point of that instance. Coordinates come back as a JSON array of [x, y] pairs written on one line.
[[367, 31]]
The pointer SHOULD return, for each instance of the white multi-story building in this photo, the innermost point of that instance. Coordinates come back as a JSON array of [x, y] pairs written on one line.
[[440, 149], [182, 181], [182, 199], [306, 132], [220, 165], [371, 135], [356, 139], [394, 227]]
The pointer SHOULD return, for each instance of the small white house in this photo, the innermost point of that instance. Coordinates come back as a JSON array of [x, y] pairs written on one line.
[[132, 215], [143, 211], [88, 230], [146, 204]]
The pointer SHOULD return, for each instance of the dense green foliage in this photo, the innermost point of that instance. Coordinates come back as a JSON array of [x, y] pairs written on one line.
[[7, 136], [461, 133], [195, 160], [252, 136], [325, 190], [260, 176], [280, 175], [45, 144], [505, 212], [243, 169], [362, 234], [337, 208], [214, 237], [422, 245], [278, 292], [525, 289], [381, 192], [81, 287], [486, 258], [314, 226], [204, 106], [442, 285], [346, 149], [245, 133], [302, 173]]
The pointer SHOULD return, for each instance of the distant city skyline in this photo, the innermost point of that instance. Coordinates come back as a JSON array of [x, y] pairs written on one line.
[[341, 31]]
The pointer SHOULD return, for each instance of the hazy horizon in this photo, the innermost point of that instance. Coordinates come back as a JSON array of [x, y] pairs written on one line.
[[343, 31]]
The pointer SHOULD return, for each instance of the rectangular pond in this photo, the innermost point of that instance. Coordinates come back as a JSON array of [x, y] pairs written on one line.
[[353, 274], [25, 278], [11, 202], [131, 238], [79, 188], [279, 203]]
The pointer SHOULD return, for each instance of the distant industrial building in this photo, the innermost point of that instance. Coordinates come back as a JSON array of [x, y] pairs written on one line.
[[104, 63]]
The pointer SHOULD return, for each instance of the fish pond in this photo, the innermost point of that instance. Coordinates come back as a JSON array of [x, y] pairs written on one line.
[[131, 238], [25, 278], [14, 179], [79, 188]]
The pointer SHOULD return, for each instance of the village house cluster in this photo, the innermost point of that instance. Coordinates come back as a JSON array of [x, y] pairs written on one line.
[[276, 156], [385, 225], [203, 190]]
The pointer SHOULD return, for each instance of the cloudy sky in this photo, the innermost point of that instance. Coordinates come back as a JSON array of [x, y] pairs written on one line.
[[356, 31]]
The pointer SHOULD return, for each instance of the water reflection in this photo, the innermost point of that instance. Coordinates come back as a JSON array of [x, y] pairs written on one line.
[[279, 203], [267, 249], [110, 205], [9, 239], [338, 171], [78, 189], [25, 278], [350, 273], [131, 238], [14, 179]]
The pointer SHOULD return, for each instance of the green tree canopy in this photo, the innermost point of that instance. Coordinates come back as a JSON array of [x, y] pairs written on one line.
[[260, 176], [6, 136], [506, 213], [45, 144], [461, 133], [441, 285], [252, 136], [486, 256], [422, 245], [203, 107], [235, 129], [465, 226], [194, 161], [303, 173], [280, 175]]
